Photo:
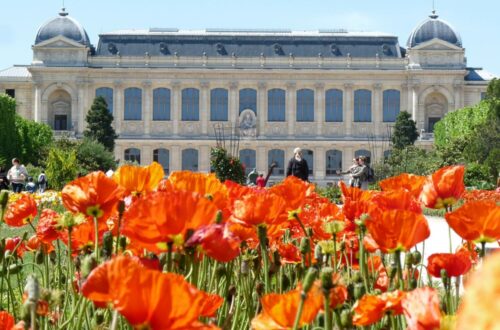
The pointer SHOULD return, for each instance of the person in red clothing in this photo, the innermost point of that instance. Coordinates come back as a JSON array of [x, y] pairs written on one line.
[[261, 182]]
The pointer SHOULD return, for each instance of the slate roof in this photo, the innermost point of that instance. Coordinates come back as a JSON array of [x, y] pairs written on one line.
[[63, 25], [478, 74], [434, 28], [15, 73], [247, 43]]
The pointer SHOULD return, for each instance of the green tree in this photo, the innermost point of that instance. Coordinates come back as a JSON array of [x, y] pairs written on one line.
[[226, 167], [62, 167], [412, 160], [93, 156], [35, 140], [405, 131], [9, 137], [99, 121]]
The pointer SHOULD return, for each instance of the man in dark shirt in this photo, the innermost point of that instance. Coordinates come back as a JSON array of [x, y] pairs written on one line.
[[297, 166]]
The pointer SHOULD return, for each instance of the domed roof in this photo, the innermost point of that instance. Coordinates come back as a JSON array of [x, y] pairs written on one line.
[[431, 28], [63, 25]]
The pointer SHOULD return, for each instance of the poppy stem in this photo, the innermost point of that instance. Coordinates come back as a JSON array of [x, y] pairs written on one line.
[[397, 255], [96, 237], [303, 296], [328, 312], [335, 252], [483, 249], [262, 233]]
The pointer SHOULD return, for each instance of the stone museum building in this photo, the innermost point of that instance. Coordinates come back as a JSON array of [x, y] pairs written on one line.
[[334, 93]]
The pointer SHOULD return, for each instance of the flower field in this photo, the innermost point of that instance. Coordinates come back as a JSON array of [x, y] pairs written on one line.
[[137, 251]]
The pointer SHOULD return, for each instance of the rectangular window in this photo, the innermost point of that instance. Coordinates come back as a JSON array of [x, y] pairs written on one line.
[[11, 92], [60, 123]]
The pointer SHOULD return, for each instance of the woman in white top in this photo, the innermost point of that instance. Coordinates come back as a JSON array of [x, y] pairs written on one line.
[[17, 175]]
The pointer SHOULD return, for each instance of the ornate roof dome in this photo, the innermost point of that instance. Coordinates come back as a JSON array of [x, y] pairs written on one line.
[[431, 28], [63, 25]]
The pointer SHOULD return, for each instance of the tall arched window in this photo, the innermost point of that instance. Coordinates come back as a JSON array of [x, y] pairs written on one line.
[[162, 156], [132, 155], [247, 157], [276, 105], [305, 105], [333, 161], [107, 94], [333, 105], [362, 105], [190, 160], [391, 105], [190, 104], [161, 104], [309, 157], [133, 104], [277, 156], [218, 104], [248, 99], [363, 152]]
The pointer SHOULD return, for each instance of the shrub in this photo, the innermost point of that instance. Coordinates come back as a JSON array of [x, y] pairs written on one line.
[[226, 167], [93, 156]]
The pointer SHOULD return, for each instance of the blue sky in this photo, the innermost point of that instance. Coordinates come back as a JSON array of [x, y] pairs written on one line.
[[477, 21]]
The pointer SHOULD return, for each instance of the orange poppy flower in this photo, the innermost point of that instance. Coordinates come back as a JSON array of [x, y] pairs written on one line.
[[289, 253], [217, 241], [46, 228], [210, 304], [476, 221], [455, 264], [356, 201], [480, 308], [159, 216], [263, 207], [338, 295], [369, 243], [6, 320], [444, 187], [478, 194], [395, 200], [410, 182], [34, 243], [206, 185], [421, 309], [368, 310], [82, 236], [397, 229], [21, 211], [279, 310], [393, 301], [137, 180], [94, 195], [146, 298], [294, 191], [12, 242]]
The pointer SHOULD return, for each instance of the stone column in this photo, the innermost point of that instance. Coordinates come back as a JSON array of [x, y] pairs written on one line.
[[291, 90], [147, 105], [233, 103], [176, 107], [458, 91], [146, 155], [73, 123], [80, 115], [37, 88], [204, 108], [414, 105], [319, 107], [348, 107], [347, 156], [175, 158], [319, 163], [377, 107], [204, 159], [261, 161], [118, 106], [119, 152], [262, 108]]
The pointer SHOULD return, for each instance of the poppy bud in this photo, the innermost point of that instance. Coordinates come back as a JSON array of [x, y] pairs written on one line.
[[342, 246], [262, 234], [413, 283], [39, 257], [392, 271], [309, 279], [444, 277], [121, 208], [359, 290], [309, 232], [107, 245], [78, 263], [14, 269], [88, 264], [220, 272], [285, 282], [123, 242], [345, 318], [416, 257], [53, 256], [218, 218], [317, 253], [259, 288], [99, 316], [244, 270], [408, 259], [326, 278], [4, 199], [277, 258], [305, 245], [356, 277], [273, 269]]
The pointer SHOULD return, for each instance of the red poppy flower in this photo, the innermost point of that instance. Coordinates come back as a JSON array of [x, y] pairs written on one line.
[[375, 266], [159, 216], [6, 320], [210, 304], [264, 207], [393, 301], [395, 200], [338, 295], [146, 298], [478, 194], [410, 182], [294, 191], [368, 310], [421, 309], [369, 243], [217, 241], [479, 308], [34, 243], [12, 242], [455, 264], [279, 310], [356, 201], [21, 211], [42, 306], [444, 187], [138, 180], [46, 228], [289, 253], [397, 229], [82, 236], [476, 221], [94, 195]]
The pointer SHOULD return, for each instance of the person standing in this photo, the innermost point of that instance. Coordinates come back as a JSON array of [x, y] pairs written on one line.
[[17, 175], [42, 182], [297, 166], [351, 170], [261, 182], [360, 174]]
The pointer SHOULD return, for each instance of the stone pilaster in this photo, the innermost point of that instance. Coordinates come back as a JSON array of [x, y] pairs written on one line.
[[147, 106], [319, 107], [176, 107], [118, 106], [204, 108], [262, 108], [291, 94], [348, 107], [377, 107]]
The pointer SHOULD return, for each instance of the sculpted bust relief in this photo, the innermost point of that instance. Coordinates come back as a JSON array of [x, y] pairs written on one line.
[[248, 123]]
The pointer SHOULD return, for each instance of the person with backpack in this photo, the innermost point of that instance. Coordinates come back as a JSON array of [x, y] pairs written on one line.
[[30, 186], [360, 174], [42, 182]]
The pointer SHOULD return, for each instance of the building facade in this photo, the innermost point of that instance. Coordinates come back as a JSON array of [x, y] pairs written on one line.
[[333, 93]]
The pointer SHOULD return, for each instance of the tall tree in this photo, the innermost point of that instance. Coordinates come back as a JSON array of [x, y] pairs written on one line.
[[35, 140], [9, 137], [405, 131], [99, 121]]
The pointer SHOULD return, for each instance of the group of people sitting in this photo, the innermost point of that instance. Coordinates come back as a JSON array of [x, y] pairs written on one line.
[[17, 179]]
